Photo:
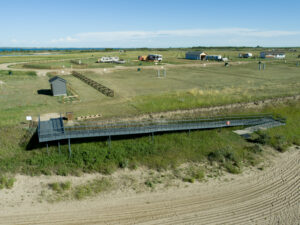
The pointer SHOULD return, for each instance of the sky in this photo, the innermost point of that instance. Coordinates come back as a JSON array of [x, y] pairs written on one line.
[[152, 23]]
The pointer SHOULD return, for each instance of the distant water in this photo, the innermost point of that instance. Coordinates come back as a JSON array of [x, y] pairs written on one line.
[[45, 49], [6, 55]]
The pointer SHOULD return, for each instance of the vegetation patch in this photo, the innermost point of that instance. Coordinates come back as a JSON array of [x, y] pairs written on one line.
[[60, 187], [18, 74], [6, 182], [278, 142], [91, 188], [66, 191], [231, 168]]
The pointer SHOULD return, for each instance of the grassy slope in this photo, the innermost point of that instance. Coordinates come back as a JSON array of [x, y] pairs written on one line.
[[167, 151]]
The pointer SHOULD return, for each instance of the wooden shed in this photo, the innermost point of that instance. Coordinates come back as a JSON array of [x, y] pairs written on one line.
[[58, 86]]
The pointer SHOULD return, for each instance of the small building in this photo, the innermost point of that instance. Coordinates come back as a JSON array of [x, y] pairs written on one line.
[[195, 55], [272, 55], [58, 86], [213, 57], [245, 55]]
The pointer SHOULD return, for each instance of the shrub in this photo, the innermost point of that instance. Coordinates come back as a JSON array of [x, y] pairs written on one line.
[[55, 187], [254, 149], [123, 163], [60, 187], [188, 179], [260, 137], [196, 173], [231, 168], [66, 186], [199, 175], [223, 154], [149, 184], [7, 182], [91, 188], [279, 142]]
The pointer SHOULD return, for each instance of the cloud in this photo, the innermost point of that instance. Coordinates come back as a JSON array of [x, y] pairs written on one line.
[[65, 40], [185, 33], [188, 36]]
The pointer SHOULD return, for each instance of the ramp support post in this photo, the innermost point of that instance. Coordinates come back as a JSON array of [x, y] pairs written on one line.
[[109, 140], [47, 148], [58, 143], [70, 151]]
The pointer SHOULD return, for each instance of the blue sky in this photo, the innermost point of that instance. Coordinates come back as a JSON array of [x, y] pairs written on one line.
[[154, 23]]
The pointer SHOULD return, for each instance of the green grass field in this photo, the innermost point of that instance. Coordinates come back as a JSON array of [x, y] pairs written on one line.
[[88, 59], [22, 93], [142, 91]]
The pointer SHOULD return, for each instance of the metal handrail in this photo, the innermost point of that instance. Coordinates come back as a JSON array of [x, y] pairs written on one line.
[[142, 123], [153, 126]]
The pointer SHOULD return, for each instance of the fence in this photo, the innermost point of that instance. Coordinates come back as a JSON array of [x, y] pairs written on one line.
[[99, 87]]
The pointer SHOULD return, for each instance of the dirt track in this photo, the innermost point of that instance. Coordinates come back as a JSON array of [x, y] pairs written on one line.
[[271, 196], [43, 72]]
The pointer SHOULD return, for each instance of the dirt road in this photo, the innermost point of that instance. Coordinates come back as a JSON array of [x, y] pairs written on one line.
[[39, 72], [66, 71], [271, 196]]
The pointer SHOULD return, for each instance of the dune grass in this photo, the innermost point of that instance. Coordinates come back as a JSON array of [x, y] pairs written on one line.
[[6, 182], [168, 151], [67, 191]]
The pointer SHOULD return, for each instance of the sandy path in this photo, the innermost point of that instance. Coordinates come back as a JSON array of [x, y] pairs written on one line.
[[6, 66], [271, 196]]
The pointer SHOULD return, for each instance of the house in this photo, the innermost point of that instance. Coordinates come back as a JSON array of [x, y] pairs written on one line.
[[272, 54], [195, 55], [214, 57], [58, 86], [245, 55]]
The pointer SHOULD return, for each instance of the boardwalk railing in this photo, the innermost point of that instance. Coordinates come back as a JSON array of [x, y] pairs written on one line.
[[55, 130]]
